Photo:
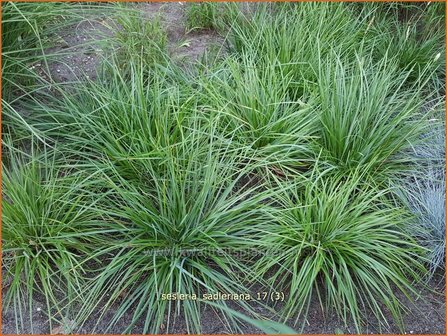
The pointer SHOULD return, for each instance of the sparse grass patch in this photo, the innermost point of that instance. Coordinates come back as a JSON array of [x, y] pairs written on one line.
[[25, 34], [201, 15], [138, 40], [28, 31]]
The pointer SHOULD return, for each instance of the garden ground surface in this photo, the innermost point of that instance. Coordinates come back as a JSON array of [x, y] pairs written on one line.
[[425, 316]]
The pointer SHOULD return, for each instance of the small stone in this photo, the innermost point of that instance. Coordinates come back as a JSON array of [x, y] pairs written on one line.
[[39, 309]]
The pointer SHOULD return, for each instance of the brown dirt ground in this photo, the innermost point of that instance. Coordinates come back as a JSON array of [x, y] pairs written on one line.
[[80, 52]]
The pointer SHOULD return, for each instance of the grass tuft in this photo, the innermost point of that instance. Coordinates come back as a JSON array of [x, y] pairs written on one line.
[[201, 15], [426, 199], [343, 245], [179, 234], [368, 118], [138, 40], [49, 224]]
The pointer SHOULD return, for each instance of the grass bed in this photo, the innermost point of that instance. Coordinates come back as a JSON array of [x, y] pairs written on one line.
[[306, 142]]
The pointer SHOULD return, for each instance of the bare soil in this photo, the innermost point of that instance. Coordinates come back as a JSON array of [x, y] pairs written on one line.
[[78, 52]]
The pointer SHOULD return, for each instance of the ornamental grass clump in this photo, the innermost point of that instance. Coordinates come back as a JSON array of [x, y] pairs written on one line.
[[181, 233], [201, 15], [368, 118], [297, 37], [425, 197], [257, 112], [138, 40], [124, 118], [342, 244], [49, 225]]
